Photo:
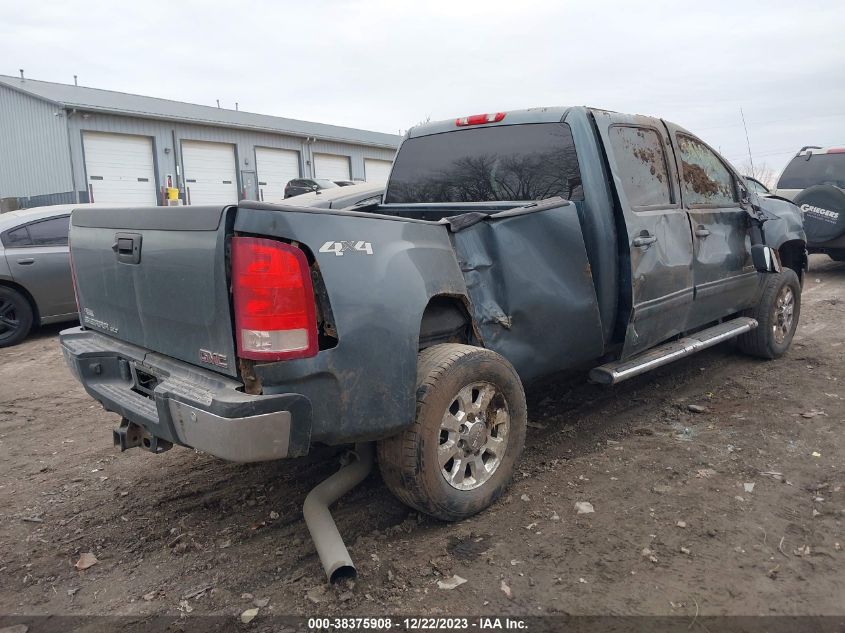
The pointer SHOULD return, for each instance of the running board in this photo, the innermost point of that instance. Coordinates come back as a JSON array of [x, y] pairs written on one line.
[[620, 370]]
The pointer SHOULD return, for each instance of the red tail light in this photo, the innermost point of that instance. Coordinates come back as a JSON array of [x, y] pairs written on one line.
[[479, 119], [274, 302]]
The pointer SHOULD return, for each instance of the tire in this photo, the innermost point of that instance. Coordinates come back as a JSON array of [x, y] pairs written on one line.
[[15, 317], [458, 379], [776, 321]]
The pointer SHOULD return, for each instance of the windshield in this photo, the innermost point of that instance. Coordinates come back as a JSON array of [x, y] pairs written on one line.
[[324, 184], [815, 169], [507, 162]]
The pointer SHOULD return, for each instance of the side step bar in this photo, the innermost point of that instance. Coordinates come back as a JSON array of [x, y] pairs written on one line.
[[617, 371]]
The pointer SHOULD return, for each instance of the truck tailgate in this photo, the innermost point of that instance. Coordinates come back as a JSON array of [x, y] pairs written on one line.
[[157, 277]]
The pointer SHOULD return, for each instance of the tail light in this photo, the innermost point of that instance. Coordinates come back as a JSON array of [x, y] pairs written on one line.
[[275, 317], [479, 119]]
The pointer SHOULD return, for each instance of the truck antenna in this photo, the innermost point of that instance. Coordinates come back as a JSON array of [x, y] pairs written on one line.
[[747, 142]]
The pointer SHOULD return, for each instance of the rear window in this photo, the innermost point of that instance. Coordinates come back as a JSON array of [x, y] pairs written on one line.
[[508, 162], [815, 169]]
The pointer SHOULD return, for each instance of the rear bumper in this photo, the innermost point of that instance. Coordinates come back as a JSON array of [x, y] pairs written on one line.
[[187, 405]]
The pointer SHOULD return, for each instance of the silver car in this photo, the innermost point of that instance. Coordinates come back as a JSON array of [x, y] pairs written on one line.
[[35, 279]]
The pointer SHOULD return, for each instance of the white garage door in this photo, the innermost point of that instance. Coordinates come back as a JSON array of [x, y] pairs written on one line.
[[119, 168], [331, 166], [275, 168], [376, 171], [210, 176]]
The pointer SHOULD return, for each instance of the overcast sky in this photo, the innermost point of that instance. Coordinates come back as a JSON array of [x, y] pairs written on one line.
[[386, 65]]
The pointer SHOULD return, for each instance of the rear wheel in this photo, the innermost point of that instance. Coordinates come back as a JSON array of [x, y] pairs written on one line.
[[15, 317], [459, 455], [777, 316]]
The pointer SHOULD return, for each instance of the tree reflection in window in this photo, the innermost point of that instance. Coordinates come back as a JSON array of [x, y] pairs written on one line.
[[501, 163]]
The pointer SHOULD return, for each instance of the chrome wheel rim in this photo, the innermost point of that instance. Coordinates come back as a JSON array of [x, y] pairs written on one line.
[[473, 436], [9, 322], [784, 314]]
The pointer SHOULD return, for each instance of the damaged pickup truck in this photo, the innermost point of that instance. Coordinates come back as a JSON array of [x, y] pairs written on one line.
[[509, 246]]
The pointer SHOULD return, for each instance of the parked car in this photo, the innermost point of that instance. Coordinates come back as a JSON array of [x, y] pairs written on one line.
[[357, 195], [344, 183], [509, 246], [298, 186], [815, 180], [756, 186], [35, 278]]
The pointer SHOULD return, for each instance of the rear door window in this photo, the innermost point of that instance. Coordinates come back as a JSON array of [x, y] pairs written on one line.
[[52, 232], [530, 161], [704, 177], [815, 169], [641, 164]]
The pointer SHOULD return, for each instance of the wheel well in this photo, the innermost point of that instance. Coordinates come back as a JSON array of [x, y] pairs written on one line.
[[793, 254], [445, 320], [36, 318]]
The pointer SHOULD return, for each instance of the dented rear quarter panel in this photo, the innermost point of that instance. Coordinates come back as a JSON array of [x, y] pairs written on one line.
[[531, 289]]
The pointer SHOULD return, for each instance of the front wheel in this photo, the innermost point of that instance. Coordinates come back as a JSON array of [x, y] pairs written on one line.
[[777, 316], [459, 455]]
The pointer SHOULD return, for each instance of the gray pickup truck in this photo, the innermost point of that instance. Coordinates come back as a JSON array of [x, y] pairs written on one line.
[[509, 246]]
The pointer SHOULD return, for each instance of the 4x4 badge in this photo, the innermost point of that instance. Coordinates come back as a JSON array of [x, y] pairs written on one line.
[[347, 246]]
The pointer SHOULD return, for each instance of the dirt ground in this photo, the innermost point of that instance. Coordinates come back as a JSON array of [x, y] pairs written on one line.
[[735, 510]]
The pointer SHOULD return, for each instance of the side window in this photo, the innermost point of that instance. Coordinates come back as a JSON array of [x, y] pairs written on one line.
[[704, 178], [16, 238], [52, 232], [642, 165]]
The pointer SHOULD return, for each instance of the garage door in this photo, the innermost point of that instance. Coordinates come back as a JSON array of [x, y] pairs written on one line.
[[210, 176], [119, 168], [376, 171], [331, 166], [275, 168]]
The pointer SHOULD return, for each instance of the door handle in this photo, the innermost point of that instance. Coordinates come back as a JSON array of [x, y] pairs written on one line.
[[702, 232], [26, 261], [644, 240]]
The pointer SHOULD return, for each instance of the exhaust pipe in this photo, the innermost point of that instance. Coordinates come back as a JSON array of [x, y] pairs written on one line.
[[330, 548]]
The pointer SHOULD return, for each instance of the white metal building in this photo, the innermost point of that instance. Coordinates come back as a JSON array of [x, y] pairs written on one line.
[[63, 143]]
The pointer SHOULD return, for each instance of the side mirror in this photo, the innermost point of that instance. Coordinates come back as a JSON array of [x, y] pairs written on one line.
[[765, 259]]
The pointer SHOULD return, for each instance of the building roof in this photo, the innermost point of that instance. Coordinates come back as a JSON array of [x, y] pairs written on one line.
[[96, 100]]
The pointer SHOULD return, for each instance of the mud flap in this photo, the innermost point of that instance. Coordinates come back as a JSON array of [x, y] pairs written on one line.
[[531, 287]]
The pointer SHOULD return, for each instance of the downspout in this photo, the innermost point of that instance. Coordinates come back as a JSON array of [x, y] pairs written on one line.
[[69, 113], [309, 141], [330, 547]]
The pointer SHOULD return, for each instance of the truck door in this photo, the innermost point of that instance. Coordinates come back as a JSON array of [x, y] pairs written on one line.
[[658, 231], [723, 273]]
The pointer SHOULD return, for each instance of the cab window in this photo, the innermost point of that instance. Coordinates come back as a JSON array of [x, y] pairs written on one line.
[[704, 177], [641, 164]]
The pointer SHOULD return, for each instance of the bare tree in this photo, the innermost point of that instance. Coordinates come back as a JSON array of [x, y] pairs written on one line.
[[761, 172]]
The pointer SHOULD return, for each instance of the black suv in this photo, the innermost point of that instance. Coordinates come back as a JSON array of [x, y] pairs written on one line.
[[298, 186]]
